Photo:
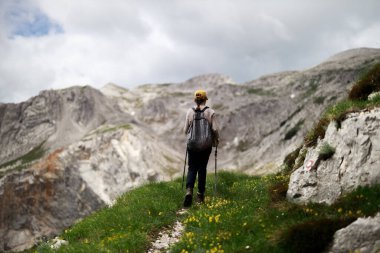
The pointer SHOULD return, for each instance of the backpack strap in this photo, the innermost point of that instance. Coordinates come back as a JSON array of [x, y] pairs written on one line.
[[197, 110]]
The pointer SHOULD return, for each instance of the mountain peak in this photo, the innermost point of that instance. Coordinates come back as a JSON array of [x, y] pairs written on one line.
[[112, 89], [210, 79], [362, 52]]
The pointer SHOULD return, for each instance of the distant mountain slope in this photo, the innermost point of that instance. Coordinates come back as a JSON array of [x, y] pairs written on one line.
[[262, 120], [56, 117]]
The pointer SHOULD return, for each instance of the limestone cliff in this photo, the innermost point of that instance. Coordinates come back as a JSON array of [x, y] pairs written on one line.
[[356, 161]]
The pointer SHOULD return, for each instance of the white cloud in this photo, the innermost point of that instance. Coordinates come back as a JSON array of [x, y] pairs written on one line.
[[132, 42], [369, 36]]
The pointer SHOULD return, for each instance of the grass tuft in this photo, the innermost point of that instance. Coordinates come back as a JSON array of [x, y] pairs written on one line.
[[261, 92], [368, 83], [326, 151], [293, 131], [319, 100], [318, 132], [290, 159], [278, 191]]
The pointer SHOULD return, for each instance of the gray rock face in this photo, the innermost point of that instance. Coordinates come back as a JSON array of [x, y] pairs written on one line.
[[38, 202], [356, 161], [363, 236], [55, 117], [114, 159], [73, 182]]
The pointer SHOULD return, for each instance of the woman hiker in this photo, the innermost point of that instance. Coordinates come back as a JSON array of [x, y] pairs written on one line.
[[200, 124]]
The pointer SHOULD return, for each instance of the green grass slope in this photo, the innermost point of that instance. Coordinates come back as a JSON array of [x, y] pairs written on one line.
[[248, 214]]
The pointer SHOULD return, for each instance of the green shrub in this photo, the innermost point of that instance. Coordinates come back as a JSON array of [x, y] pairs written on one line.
[[326, 151], [368, 83], [260, 92], [319, 100], [300, 159], [293, 131], [218, 106], [312, 89], [243, 145], [278, 191], [318, 131], [313, 235], [290, 159]]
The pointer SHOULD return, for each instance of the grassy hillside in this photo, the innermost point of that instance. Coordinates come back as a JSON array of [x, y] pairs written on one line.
[[248, 214]]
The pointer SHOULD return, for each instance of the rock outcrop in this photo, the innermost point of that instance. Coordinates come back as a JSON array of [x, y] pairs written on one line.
[[41, 202], [362, 236], [71, 183], [57, 118], [114, 159], [355, 163]]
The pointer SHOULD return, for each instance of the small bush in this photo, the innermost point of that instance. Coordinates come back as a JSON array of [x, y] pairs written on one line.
[[368, 83], [243, 145], [319, 100], [293, 131], [318, 131], [326, 151], [312, 89], [219, 106], [290, 160], [312, 236], [260, 92], [300, 159], [278, 191]]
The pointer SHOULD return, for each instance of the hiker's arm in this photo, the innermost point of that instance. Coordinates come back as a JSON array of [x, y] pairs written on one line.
[[215, 129], [187, 123]]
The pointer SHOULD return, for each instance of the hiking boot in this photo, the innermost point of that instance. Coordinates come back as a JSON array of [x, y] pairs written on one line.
[[188, 197], [200, 198]]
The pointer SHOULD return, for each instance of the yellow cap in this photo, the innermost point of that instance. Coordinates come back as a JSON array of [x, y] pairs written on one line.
[[200, 94]]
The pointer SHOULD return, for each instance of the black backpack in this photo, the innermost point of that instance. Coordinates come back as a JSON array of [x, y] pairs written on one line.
[[200, 136]]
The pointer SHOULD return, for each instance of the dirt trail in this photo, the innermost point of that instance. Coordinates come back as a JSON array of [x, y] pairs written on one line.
[[168, 236]]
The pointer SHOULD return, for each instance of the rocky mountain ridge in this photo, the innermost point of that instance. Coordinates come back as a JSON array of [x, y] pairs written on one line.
[[114, 139]]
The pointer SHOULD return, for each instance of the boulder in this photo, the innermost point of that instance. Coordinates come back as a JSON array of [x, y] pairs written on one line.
[[355, 163], [363, 236]]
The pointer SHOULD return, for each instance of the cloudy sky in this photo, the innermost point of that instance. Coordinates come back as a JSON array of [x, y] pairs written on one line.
[[48, 44]]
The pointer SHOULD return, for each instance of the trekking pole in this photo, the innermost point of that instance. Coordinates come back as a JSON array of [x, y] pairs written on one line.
[[184, 168], [216, 158]]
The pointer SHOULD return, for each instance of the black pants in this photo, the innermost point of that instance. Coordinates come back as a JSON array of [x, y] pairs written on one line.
[[198, 164]]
